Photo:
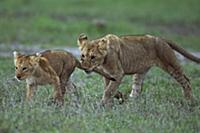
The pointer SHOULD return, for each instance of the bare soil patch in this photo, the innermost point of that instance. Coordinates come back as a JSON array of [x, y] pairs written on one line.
[[8, 52]]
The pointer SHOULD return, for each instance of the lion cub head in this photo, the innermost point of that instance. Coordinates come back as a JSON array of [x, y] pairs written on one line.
[[93, 53], [25, 65]]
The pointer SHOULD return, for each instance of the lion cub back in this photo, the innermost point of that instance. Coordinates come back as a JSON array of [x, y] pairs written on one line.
[[60, 60]]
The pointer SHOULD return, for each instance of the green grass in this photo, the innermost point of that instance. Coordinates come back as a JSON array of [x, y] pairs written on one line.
[[160, 108], [58, 23]]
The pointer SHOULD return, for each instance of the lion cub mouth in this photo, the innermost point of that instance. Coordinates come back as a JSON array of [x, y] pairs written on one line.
[[88, 71], [18, 79]]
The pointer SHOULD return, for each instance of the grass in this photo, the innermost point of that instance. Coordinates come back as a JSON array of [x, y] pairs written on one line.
[[160, 108], [51, 23]]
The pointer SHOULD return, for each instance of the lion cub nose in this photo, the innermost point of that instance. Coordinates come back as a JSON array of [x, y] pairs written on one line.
[[18, 77]]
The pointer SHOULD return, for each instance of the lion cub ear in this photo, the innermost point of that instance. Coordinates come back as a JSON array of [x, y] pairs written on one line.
[[82, 40], [16, 54], [104, 44], [38, 54], [35, 60]]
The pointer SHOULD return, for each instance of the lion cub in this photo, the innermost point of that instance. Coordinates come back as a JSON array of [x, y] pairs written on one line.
[[118, 56], [48, 67]]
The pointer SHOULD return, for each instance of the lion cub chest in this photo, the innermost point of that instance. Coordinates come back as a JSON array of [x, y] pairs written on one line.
[[40, 78], [37, 81]]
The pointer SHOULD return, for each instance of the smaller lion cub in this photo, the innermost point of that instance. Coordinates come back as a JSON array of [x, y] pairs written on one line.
[[48, 67]]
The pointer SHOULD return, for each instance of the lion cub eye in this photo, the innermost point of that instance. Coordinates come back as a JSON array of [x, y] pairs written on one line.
[[82, 55], [16, 68], [93, 57], [24, 68]]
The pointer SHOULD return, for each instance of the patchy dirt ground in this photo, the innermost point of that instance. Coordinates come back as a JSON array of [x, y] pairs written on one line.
[[5, 52]]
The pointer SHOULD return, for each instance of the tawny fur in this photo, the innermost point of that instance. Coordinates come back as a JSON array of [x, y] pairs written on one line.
[[132, 55], [48, 67]]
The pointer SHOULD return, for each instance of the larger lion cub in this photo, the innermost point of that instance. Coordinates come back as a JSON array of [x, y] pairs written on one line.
[[124, 55], [48, 67]]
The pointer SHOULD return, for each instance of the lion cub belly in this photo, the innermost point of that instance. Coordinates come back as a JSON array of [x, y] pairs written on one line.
[[139, 66]]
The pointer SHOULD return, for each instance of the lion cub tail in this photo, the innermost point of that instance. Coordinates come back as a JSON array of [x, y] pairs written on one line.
[[183, 51]]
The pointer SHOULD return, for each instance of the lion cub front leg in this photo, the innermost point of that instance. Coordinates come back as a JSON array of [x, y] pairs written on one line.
[[30, 91], [119, 95], [137, 84], [110, 91]]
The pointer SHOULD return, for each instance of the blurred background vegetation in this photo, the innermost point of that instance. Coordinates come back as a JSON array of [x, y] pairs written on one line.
[[53, 23]]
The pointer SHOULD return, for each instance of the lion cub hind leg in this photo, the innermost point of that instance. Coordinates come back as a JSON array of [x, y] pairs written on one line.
[[183, 80], [137, 84], [169, 63], [58, 96], [64, 79], [177, 73]]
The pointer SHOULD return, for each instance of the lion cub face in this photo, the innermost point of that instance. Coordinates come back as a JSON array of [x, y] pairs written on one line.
[[24, 65], [93, 52]]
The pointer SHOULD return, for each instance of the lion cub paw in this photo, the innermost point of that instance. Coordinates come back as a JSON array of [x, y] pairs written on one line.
[[107, 103], [134, 94]]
